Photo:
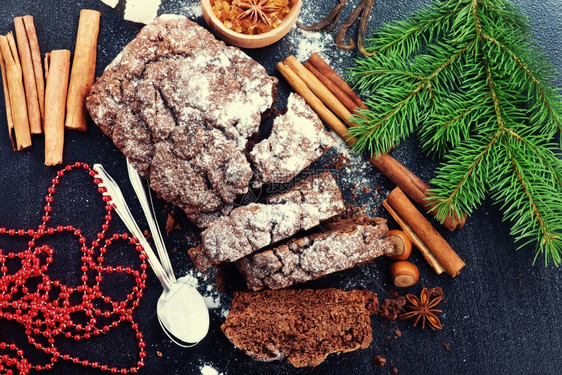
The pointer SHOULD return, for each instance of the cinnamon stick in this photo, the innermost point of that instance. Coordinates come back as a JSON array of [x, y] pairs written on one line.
[[7, 102], [334, 89], [416, 240], [58, 69], [17, 100], [315, 103], [37, 63], [437, 245], [329, 99], [324, 68], [33, 111], [413, 186], [83, 69]]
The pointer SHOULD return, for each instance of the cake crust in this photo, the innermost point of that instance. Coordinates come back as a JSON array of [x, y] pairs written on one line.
[[250, 228], [339, 246]]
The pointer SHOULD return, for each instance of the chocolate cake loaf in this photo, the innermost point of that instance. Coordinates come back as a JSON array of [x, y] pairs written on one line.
[[297, 139], [183, 108], [342, 245], [250, 228], [302, 325]]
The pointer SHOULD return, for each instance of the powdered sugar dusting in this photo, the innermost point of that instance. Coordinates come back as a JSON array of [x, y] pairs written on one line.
[[357, 178], [193, 10], [298, 138], [255, 226], [307, 42]]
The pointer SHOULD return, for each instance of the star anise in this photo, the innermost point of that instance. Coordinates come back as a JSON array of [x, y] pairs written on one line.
[[423, 308], [256, 10]]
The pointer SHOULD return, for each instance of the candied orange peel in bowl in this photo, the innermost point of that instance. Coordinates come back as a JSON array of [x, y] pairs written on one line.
[[250, 23], [251, 16]]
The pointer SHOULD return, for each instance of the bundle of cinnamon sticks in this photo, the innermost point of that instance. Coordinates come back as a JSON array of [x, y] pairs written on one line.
[[40, 103], [335, 102]]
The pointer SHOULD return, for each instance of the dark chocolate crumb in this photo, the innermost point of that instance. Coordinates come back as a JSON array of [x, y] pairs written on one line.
[[447, 346], [172, 224], [435, 292], [391, 308], [379, 361]]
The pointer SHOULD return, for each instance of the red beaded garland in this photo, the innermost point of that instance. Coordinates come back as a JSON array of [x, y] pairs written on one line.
[[44, 312]]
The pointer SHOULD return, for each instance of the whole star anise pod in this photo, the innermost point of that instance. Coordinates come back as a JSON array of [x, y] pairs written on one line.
[[423, 308], [256, 10]]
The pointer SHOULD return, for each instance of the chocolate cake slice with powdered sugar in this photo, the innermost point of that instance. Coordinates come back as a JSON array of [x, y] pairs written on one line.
[[253, 227], [297, 139], [341, 245], [184, 108]]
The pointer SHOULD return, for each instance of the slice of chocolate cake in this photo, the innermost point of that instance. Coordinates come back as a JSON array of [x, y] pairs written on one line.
[[183, 108], [250, 228], [297, 139], [342, 245], [302, 325]]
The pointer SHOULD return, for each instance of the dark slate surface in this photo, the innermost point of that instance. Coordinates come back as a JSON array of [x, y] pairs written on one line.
[[501, 316]]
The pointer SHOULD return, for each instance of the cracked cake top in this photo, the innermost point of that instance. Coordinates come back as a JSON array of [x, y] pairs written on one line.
[[182, 107]]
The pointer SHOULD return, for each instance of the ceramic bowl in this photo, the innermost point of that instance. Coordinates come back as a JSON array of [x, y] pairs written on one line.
[[249, 41]]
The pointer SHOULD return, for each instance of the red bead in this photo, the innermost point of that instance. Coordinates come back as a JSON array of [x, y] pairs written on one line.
[[55, 314]]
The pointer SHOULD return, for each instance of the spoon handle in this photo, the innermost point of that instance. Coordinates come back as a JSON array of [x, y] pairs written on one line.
[[148, 209], [120, 206]]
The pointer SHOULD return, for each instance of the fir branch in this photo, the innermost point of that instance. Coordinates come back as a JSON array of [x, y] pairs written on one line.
[[427, 27], [465, 76]]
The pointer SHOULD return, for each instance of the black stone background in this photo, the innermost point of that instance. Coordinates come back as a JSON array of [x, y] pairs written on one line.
[[502, 315]]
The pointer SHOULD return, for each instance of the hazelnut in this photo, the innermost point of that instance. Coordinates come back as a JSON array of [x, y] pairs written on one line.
[[402, 245], [404, 273]]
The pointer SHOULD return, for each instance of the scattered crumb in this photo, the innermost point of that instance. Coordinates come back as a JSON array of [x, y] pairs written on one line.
[[159, 353], [172, 224], [146, 234], [379, 361], [352, 210], [397, 333], [435, 292], [447, 346], [394, 370], [391, 308], [338, 161]]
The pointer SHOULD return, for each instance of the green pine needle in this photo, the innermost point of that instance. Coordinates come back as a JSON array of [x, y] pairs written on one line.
[[465, 76]]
